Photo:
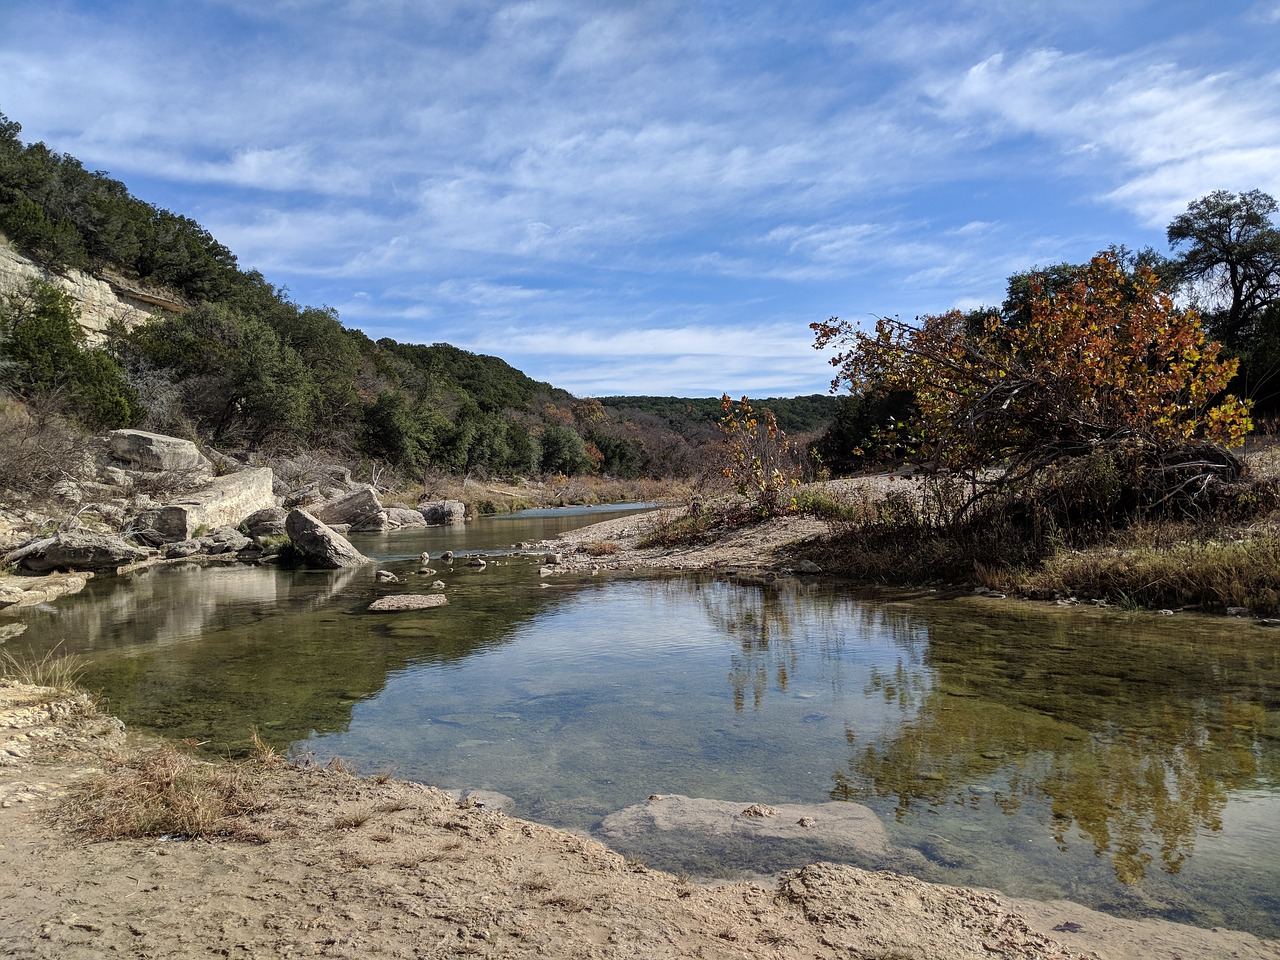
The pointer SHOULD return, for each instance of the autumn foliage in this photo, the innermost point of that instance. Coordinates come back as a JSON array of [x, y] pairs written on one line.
[[1103, 363], [757, 455]]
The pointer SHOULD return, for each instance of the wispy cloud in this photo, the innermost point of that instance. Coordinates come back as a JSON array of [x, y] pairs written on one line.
[[653, 171]]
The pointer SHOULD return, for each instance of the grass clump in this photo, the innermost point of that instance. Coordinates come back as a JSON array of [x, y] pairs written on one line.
[[60, 672], [167, 792]]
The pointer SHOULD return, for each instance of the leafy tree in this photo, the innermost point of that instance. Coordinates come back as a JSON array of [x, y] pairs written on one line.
[[563, 451], [1230, 251], [238, 380], [1105, 365], [46, 356]]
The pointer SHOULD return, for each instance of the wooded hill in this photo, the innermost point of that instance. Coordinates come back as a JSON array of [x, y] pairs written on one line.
[[243, 366]]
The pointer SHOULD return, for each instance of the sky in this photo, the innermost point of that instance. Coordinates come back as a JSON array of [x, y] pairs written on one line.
[[654, 197]]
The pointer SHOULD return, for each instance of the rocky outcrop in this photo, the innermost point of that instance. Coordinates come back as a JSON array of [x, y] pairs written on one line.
[[154, 451], [78, 550], [226, 501], [443, 511], [102, 300], [319, 545], [360, 509]]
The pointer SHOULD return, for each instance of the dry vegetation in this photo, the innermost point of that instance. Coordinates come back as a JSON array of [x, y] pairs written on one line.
[[165, 791]]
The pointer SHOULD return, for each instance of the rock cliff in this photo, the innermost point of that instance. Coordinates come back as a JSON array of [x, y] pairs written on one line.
[[102, 300]]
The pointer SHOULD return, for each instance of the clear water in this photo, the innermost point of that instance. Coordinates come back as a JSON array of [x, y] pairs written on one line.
[[1130, 762]]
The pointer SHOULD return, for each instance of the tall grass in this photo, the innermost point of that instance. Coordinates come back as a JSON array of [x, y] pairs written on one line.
[[60, 672]]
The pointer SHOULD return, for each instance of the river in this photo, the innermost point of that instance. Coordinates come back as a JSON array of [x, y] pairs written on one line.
[[1127, 761]]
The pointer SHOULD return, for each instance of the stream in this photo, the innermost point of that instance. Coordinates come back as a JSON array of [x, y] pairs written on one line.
[[1127, 761]]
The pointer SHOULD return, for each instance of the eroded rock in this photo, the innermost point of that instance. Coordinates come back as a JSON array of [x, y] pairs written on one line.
[[319, 544]]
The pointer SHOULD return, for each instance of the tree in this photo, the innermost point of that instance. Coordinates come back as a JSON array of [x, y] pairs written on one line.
[[45, 357], [1105, 366], [758, 458], [1231, 252]]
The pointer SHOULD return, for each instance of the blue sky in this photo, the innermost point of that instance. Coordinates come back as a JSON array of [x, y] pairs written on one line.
[[654, 197]]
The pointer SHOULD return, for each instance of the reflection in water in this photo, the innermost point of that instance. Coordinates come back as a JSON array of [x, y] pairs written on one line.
[[1103, 757], [1137, 753]]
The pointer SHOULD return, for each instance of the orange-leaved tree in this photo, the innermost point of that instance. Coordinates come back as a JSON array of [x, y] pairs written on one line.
[[757, 455], [1103, 364]]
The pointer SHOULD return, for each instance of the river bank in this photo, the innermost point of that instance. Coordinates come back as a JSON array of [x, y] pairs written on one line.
[[329, 864]]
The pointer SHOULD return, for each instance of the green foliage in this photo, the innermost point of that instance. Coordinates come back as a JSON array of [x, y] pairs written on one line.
[[239, 381], [1230, 260], [563, 451], [45, 357], [688, 415], [855, 437]]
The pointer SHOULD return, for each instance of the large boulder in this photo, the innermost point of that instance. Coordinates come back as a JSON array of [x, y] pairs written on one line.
[[360, 509], [78, 550], [267, 522], [398, 517], [225, 501], [154, 451], [320, 545], [443, 511]]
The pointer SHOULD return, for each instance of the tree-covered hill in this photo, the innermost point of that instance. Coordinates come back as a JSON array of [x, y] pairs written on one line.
[[805, 414], [241, 365]]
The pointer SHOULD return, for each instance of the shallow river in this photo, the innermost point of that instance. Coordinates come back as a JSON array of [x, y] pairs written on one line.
[[1130, 762]]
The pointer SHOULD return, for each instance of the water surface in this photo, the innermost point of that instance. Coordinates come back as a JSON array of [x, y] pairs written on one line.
[[1130, 762]]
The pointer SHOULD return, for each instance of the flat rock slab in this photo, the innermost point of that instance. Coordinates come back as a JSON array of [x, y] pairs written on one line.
[[407, 601], [847, 824]]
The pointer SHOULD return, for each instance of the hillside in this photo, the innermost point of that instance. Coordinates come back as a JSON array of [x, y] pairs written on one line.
[[119, 313]]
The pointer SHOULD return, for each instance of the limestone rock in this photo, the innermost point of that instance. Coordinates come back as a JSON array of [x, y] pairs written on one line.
[[182, 548], [78, 550], [361, 509], [29, 591], [154, 451], [267, 522], [409, 601], [443, 511], [225, 540], [403, 517], [319, 544], [225, 501]]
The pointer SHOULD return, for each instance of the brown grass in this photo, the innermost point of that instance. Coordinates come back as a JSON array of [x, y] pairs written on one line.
[[164, 792]]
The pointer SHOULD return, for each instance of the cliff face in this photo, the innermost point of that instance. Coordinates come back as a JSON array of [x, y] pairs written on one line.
[[101, 300]]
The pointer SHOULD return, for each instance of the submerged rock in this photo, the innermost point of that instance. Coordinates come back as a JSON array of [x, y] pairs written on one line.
[[849, 825], [407, 601]]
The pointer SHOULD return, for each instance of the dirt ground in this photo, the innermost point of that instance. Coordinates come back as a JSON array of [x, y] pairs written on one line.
[[342, 866], [338, 866]]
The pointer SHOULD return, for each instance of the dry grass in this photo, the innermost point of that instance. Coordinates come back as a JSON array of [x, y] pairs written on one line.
[[601, 548], [1237, 573], [165, 792], [60, 672]]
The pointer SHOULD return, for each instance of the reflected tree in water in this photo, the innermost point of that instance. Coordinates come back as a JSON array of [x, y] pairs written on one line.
[[1134, 757]]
